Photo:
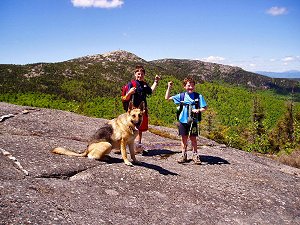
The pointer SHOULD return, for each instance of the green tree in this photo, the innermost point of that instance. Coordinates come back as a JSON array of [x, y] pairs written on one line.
[[258, 116], [282, 136]]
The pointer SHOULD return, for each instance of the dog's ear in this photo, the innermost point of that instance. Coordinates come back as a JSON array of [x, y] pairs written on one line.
[[130, 106], [142, 106]]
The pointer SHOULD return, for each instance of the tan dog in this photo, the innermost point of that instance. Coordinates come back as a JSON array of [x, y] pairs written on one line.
[[116, 134]]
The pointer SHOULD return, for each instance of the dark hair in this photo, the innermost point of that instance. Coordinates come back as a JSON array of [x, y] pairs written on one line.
[[188, 79], [139, 68]]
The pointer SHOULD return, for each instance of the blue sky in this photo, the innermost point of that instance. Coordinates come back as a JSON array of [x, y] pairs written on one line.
[[252, 34]]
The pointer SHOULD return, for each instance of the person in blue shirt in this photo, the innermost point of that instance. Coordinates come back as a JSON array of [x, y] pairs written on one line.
[[192, 104]]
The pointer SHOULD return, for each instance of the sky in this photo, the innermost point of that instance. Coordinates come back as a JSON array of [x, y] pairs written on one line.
[[256, 35]]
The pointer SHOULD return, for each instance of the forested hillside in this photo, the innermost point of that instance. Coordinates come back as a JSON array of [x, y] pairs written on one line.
[[246, 110]]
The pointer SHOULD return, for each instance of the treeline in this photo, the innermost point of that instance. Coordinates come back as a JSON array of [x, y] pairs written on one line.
[[70, 81]]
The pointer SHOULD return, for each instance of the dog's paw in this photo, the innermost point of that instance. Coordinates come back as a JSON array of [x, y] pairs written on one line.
[[128, 163]]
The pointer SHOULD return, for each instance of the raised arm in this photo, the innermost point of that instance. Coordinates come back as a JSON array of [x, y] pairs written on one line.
[[128, 94], [155, 83], [168, 91]]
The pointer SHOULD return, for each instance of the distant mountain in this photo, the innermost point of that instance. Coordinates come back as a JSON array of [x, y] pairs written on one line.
[[213, 72], [104, 74], [291, 74], [114, 56]]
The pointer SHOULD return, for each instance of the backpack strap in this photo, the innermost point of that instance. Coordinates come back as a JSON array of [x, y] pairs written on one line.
[[133, 82], [181, 104], [182, 96], [197, 105], [197, 100]]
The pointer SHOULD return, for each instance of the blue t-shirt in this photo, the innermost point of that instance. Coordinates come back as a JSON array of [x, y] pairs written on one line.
[[189, 99]]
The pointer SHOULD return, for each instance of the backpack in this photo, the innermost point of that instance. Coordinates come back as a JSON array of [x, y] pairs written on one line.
[[124, 90], [197, 104]]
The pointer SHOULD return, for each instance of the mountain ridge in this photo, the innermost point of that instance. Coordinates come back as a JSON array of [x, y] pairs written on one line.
[[117, 67], [114, 56]]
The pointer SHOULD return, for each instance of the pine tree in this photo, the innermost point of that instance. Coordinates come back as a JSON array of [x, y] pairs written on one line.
[[289, 118], [258, 116], [282, 137], [259, 140]]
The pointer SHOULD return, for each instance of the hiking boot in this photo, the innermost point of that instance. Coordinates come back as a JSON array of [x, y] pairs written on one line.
[[182, 159], [196, 159]]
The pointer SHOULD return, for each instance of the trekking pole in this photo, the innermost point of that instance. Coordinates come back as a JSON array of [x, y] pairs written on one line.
[[191, 128]]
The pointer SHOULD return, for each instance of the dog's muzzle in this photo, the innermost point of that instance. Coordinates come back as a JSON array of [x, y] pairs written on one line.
[[137, 125]]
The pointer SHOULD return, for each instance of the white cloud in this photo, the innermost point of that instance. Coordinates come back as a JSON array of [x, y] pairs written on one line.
[[288, 59], [292, 61], [97, 3], [214, 59], [277, 11]]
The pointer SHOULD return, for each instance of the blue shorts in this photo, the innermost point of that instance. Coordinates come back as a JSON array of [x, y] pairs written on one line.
[[188, 129]]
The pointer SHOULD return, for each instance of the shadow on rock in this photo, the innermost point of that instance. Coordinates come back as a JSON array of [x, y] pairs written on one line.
[[164, 153], [157, 168], [111, 160], [213, 160]]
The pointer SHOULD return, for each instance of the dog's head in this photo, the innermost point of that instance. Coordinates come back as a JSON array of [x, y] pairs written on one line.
[[135, 115]]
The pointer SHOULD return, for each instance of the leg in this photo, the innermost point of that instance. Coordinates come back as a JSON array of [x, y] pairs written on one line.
[[184, 139], [139, 137], [139, 148], [132, 152], [143, 127], [124, 153], [138, 145], [183, 157], [183, 131], [99, 150], [196, 157], [194, 143]]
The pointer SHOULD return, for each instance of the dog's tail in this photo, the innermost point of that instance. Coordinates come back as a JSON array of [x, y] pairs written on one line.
[[63, 151]]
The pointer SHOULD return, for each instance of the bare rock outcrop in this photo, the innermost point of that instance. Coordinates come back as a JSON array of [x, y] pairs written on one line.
[[38, 187]]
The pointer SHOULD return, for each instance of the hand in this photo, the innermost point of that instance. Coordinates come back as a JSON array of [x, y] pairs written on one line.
[[132, 90], [157, 78], [196, 111], [170, 84]]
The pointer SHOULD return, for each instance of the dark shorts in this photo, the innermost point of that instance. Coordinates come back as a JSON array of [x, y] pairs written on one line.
[[187, 129]]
